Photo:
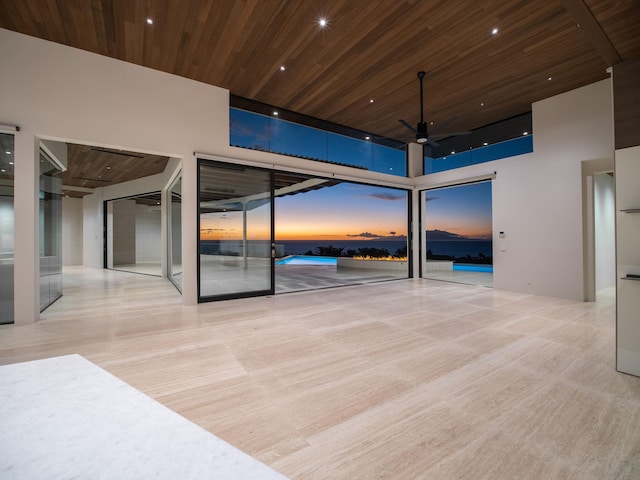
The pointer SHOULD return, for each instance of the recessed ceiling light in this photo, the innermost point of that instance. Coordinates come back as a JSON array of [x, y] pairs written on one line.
[[10, 163], [108, 168], [494, 31], [3, 170], [149, 21], [549, 79], [525, 133], [8, 152], [371, 100], [367, 137], [157, 203], [431, 123], [485, 144], [282, 69], [453, 152], [482, 104], [275, 113], [322, 22]]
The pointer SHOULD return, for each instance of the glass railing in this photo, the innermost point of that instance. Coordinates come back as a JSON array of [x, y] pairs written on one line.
[[271, 134], [496, 151]]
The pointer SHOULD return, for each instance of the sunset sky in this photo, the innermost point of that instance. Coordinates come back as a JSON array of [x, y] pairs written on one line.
[[349, 211], [341, 212], [464, 210]]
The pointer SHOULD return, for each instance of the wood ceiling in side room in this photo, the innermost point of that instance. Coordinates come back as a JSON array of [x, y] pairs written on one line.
[[93, 167], [369, 50]]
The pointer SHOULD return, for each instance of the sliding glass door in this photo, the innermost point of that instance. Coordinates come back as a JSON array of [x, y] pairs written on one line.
[[174, 233], [235, 231], [50, 230], [6, 228]]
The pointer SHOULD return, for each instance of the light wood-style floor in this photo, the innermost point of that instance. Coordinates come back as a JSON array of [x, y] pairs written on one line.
[[414, 379]]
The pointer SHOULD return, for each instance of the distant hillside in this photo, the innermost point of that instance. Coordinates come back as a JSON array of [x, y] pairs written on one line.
[[442, 235]]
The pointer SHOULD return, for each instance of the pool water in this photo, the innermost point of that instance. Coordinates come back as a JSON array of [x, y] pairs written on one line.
[[315, 260], [307, 260], [473, 268]]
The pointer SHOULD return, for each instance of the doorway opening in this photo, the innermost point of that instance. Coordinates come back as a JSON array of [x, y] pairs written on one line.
[[457, 234]]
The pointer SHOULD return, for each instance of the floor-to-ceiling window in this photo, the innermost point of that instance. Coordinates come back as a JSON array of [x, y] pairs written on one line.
[[263, 231], [174, 233], [50, 229], [6, 227], [457, 241], [235, 231]]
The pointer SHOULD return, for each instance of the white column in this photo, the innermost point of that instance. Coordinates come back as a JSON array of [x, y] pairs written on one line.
[[415, 168], [190, 254], [26, 210]]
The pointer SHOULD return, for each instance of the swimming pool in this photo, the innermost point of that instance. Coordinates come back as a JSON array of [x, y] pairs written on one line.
[[472, 268], [307, 260]]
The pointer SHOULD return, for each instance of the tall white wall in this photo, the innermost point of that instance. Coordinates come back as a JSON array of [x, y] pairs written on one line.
[[605, 230], [537, 198], [71, 231]]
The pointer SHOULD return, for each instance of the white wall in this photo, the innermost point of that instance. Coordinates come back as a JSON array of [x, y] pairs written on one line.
[[148, 233], [605, 230], [123, 232], [537, 197], [71, 231]]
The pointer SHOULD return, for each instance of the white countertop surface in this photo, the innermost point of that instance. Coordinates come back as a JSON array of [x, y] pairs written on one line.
[[65, 417]]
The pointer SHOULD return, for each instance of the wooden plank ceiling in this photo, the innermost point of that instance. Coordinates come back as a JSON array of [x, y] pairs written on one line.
[[369, 50]]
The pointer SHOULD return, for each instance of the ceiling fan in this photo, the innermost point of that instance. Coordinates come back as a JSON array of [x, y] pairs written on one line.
[[422, 135]]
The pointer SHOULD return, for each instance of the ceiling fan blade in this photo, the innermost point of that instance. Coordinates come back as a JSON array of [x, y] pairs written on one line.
[[406, 124], [432, 142], [450, 134], [445, 123]]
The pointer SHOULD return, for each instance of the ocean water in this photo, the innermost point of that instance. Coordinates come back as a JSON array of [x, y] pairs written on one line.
[[455, 248], [301, 247], [461, 248]]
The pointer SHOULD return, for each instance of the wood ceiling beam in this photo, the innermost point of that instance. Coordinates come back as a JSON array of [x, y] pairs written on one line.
[[592, 30]]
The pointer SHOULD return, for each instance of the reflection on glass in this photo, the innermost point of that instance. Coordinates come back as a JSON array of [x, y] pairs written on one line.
[[175, 233], [389, 160], [134, 234], [504, 139], [6, 228], [298, 140], [260, 132], [350, 151], [248, 129], [235, 231], [50, 230]]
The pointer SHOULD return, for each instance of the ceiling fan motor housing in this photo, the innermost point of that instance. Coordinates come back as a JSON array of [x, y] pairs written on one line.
[[421, 132]]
